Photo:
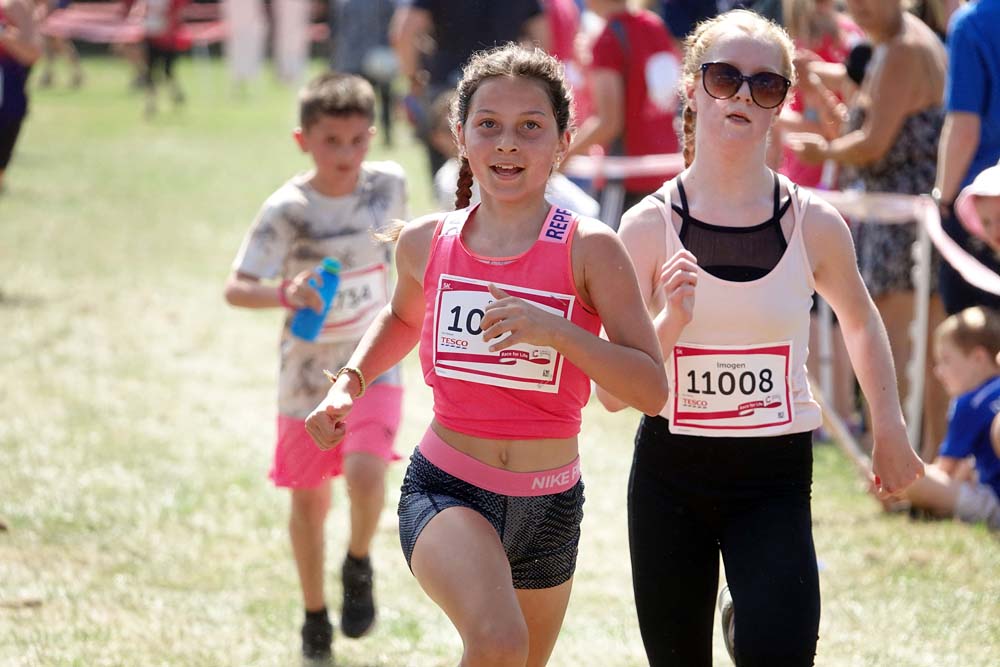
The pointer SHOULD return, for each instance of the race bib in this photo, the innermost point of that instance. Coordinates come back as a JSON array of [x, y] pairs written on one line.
[[730, 387], [360, 296], [461, 353]]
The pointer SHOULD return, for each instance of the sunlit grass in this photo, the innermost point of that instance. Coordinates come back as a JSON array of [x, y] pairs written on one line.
[[137, 417]]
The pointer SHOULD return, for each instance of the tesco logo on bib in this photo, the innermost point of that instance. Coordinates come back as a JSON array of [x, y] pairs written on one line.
[[448, 341], [694, 403]]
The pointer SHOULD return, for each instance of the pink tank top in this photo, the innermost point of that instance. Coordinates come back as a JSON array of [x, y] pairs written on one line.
[[739, 367], [524, 392]]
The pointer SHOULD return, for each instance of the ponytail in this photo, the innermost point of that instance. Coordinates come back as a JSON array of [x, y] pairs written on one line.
[[688, 135], [463, 190]]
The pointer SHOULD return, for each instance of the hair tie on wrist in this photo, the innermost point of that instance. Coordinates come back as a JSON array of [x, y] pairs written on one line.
[[283, 295]]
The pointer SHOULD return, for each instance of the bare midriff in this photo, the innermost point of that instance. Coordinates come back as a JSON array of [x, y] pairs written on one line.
[[512, 455]]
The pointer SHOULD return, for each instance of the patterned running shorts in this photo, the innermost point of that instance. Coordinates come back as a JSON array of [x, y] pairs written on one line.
[[540, 534]]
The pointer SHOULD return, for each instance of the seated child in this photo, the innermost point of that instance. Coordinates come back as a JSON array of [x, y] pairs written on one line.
[[966, 348]]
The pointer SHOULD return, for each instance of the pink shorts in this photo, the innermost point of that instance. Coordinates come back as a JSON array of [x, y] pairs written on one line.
[[371, 428]]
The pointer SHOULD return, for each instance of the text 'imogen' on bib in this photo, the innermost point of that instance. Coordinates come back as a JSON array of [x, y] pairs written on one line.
[[360, 296], [461, 353], [730, 387]]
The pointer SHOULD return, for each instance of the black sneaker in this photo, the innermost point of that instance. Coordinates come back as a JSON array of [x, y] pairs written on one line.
[[357, 614], [317, 642], [728, 621]]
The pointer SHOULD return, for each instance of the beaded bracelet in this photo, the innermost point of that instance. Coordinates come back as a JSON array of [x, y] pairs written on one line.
[[332, 377]]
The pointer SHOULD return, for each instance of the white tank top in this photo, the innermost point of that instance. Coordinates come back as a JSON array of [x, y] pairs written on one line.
[[739, 367]]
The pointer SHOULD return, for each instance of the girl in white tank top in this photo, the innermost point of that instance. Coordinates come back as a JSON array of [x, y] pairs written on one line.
[[726, 467]]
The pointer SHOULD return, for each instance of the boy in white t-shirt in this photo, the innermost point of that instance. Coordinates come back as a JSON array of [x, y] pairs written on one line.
[[332, 211]]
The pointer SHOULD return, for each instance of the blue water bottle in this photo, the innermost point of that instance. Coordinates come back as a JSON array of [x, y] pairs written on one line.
[[307, 323]]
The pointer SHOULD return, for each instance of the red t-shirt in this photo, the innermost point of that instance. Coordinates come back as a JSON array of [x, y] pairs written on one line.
[[649, 128], [564, 23], [3, 24]]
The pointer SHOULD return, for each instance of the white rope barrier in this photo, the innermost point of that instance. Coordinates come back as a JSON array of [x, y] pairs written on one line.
[[616, 167], [916, 368], [889, 208], [608, 172], [971, 269], [881, 208]]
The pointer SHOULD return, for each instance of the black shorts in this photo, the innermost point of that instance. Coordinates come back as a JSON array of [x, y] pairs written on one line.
[[540, 534], [159, 59], [9, 129]]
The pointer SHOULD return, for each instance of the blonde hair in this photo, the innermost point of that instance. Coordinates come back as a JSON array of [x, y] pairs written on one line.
[[797, 17], [971, 328], [701, 40]]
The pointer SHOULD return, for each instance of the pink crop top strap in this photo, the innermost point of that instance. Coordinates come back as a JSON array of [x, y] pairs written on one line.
[[526, 391]]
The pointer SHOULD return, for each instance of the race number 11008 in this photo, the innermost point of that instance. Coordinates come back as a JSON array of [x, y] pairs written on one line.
[[727, 383]]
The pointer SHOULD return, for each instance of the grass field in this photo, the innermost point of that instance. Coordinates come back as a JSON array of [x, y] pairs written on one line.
[[136, 424]]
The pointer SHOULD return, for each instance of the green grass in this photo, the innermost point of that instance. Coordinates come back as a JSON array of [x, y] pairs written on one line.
[[137, 417]]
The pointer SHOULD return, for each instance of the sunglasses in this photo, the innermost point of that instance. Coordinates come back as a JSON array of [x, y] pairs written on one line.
[[722, 81]]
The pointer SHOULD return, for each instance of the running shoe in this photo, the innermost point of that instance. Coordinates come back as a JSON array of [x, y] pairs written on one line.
[[317, 643], [357, 613]]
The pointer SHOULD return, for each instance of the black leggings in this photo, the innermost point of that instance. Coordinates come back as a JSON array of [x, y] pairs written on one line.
[[10, 128], [159, 58], [689, 499]]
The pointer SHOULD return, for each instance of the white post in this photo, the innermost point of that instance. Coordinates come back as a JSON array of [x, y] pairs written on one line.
[[824, 314], [613, 203], [917, 366], [824, 329]]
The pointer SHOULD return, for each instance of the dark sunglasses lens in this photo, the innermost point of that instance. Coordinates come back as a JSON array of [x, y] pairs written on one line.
[[721, 80], [768, 89]]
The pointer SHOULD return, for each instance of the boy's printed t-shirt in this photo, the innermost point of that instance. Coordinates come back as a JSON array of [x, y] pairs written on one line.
[[969, 423], [296, 228]]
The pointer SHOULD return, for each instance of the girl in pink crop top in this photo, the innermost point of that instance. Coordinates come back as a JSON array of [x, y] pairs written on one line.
[[527, 392], [506, 300]]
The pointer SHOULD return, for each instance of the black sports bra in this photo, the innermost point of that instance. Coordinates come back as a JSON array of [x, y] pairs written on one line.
[[737, 254]]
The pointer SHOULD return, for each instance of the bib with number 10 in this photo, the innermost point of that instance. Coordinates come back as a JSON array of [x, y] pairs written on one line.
[[722, 387], [461, 353]]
